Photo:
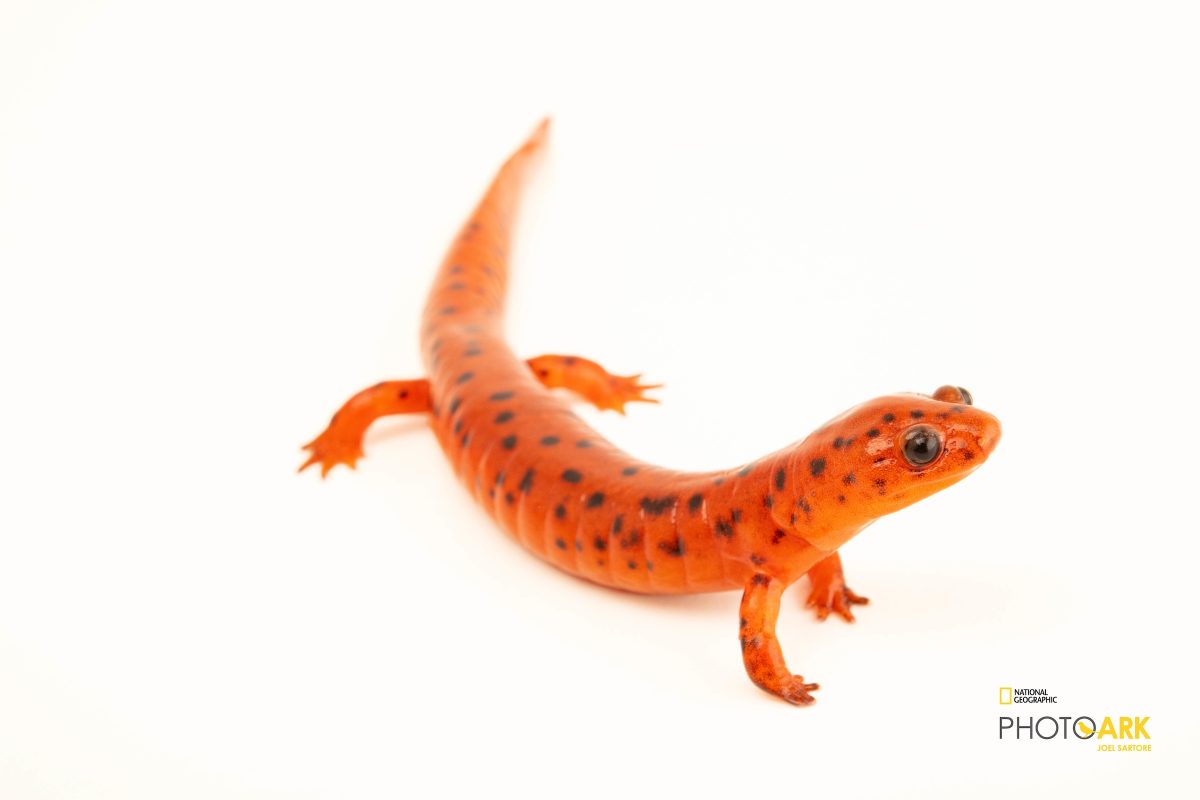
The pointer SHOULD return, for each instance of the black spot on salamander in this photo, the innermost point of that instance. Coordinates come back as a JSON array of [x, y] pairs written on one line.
[[804, 506], [742, 622], [752, 643], [694, 502], [718, 481], [600, 543], [560, 544], [579, 545], [916, 413], [768, 501], [879, 462], [595, 500], [880, 484], [778, 536], [968, 455], [838, 443], [457, 286], [889, 417], [618, 521], [473, 351], [583, 443], [466, 376], [456, 269], [793, 519], [746, 470], [569, 361], [498, 396], [455, 402], [816, 467], [526, 482], [757, 560], [780, 479], [629, 471], [673, 547], [508, 498], [500, 478], [631, 564], [841, 498], [560, 511], [736, 515], [657, 506], [448, 311], [549, 441], [849, 479], [871, 434], [466, 439], [458, 425], [403, 394], [942, 415], [503, 417], [650, 566], [508, 442], [957, 409], [723, 528], [632, 540], [761, 580], [572, 476]]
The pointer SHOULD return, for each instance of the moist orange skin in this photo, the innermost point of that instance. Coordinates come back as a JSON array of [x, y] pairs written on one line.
[[580, 503]]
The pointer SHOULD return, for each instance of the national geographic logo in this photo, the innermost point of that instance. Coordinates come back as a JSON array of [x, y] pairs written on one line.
[[1009, 695], [1063, 727]]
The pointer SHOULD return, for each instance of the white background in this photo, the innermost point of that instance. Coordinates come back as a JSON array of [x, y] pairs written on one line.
[[218, 220]]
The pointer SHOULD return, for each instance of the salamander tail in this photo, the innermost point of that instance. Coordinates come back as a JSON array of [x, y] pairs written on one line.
[[470, 286], [538, 138]]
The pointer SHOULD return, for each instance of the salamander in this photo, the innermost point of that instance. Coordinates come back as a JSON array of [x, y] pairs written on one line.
[[580, 503]]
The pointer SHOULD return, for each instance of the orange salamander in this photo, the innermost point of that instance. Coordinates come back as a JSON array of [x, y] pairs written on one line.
[[588, 508]]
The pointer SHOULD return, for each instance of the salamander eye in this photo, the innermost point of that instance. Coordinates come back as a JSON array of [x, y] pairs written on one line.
[[921, 445], [953, 394]]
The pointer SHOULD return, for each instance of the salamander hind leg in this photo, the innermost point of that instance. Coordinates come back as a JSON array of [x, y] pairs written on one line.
[[591, 381], [341, 442], [829, 590], [761, 653]]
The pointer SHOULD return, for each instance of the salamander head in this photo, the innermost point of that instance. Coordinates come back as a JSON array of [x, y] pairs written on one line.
[[889, 453]]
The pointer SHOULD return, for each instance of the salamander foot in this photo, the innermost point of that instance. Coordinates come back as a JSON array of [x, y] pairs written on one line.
[[830, 592], [591, 381]]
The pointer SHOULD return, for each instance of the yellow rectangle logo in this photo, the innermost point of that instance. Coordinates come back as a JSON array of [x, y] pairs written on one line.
[[1005, 695]]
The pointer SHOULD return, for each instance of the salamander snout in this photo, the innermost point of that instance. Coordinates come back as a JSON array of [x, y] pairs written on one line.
[[983, 427], [988, 433]]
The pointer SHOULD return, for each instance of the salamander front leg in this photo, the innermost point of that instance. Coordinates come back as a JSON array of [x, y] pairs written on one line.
[[341, 442], [591, 381], [829, 590], [760, 649]]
